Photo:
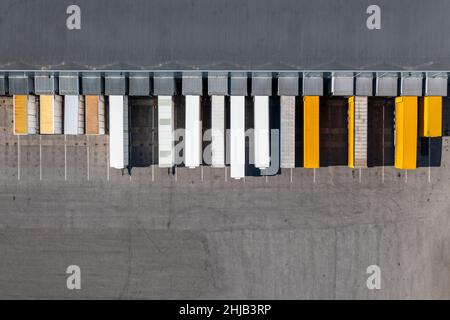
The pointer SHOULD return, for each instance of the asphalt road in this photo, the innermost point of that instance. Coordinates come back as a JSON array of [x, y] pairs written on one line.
[[198, 234]]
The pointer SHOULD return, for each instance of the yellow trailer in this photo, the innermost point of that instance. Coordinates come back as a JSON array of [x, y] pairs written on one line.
[[430, 116], [50, 114], [311, 132], [20, 114], [406, 111], [351, 132], [24, 115]]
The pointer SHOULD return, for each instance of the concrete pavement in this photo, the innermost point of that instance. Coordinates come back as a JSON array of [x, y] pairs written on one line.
[[157, 235]]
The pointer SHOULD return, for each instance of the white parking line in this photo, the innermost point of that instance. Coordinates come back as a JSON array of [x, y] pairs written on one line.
[[314, 176], [429, 160], [40, 157], [176, 174], [226, 174], [201, 172], [107, 161], [153, 142], [65, 158], [382, 152], [406, 176], [87, 156], [360, 175], [291, 175], [18, 157]]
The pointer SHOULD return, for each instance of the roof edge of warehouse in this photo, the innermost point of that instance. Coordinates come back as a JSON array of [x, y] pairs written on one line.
[[225, 70]]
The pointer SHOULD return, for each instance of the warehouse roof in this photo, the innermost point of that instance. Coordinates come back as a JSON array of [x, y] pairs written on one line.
[[225, 35]]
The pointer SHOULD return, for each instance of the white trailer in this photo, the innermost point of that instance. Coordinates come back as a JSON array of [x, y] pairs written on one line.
[[218, 131], [165, 132], [237, 137], [261, 131], [118, 132], [73, 114], [33, 116], [287, 131], [193, 141], [357, 144]]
